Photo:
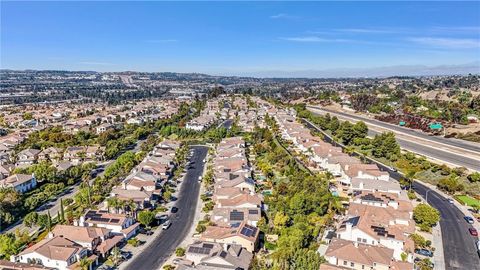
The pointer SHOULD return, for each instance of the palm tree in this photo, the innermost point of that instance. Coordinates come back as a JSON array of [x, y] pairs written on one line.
[[112, 202], [115, 256], [131, 206], [84, 264]]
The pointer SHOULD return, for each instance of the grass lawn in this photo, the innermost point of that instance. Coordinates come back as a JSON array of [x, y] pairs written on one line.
[[468, 200]]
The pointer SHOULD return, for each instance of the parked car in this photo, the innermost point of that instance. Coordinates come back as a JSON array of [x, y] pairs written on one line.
[[145, 231], [424, 252], [166, 224], [174, 209], [473, 231], [126, 255], [450, 201], [468, 219]]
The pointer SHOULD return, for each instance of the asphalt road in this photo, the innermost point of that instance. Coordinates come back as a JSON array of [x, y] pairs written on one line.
[[420, 148], [226, 124], [458, 245], [449, 141], [160, 249]]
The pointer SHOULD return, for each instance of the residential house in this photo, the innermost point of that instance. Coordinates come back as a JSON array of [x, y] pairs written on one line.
[[20, 182], [27, 157], [352, 255], [56, 252], [241, 234], [118, 223]]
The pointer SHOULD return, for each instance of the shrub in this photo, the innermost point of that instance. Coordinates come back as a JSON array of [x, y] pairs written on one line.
[[133, 242], [180, 252]]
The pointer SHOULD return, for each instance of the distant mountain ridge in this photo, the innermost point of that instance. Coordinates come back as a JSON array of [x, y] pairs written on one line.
[[389, 71], [375, 72]]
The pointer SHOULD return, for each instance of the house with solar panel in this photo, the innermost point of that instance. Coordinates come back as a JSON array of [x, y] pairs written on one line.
[[209, 255], [240, 234], [120, 224]]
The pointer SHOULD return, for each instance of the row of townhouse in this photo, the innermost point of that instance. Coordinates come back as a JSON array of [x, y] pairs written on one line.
[[209, 116], [74, 154], [374, 234], [248, 117], [230, 242], [145, 184]]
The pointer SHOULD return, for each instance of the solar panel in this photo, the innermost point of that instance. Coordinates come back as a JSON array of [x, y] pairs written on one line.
[[248, 231], [235, 215], [115, 220], [223, 254], [99, 219], [235, 225], [253, 212], [205, 245], [199, 250]]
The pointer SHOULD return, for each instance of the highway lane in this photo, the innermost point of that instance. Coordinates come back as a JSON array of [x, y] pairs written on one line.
[[437, 153], [165, 243], [458, 244], [449, 141]]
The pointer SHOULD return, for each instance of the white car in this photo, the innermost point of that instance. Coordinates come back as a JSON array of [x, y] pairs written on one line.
[[166, 224]]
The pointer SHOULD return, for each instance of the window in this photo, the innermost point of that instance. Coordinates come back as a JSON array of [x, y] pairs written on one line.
[[344, 262], [363, 266], [352, 264], [359, 239]]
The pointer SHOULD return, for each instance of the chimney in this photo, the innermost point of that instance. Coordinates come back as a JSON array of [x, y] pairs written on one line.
[[348, 226]]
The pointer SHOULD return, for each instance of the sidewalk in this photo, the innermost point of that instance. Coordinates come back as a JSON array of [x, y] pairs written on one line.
[[438, 258]]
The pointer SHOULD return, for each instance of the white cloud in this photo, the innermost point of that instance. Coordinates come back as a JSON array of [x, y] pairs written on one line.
[[457, 29], [453, 43], [283, 16], [366, 30], [316, 39]]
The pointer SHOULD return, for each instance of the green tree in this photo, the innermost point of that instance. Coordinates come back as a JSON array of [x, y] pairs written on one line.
[[30, 219], [474, 177], [426, 216], [62, 211], [180, 252], [84, 264], [280, 220], [360, 130], [385, 145], [146, 217]]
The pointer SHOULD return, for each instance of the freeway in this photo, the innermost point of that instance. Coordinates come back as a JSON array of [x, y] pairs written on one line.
[[458, 245], [447, 150], [165, 243]]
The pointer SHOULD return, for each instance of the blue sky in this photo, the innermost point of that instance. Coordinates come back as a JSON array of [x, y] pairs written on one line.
[[237, 37]]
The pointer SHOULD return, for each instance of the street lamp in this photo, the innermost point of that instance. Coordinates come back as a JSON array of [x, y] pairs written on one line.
[[426, 195]]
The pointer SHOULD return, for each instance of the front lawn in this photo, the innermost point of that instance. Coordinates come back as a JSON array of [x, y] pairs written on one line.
[[465, 199]]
